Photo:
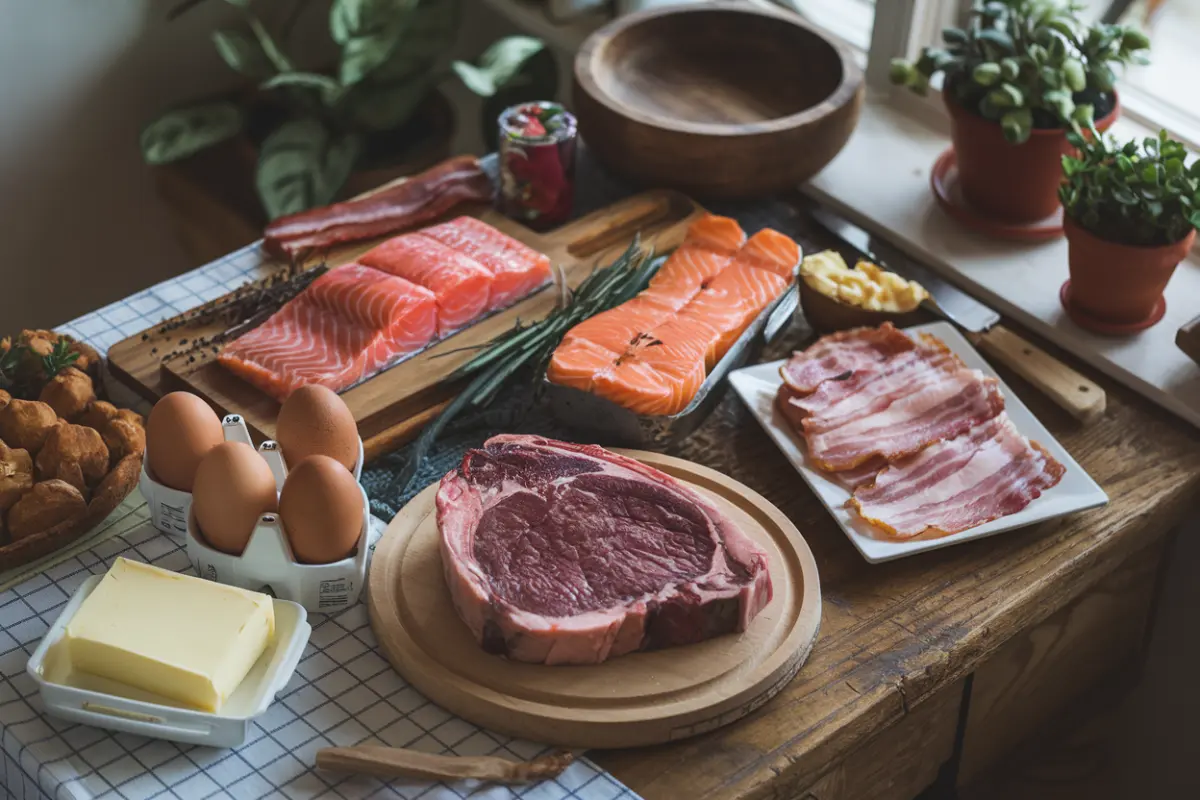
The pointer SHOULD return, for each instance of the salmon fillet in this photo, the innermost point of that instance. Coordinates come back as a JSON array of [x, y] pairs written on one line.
[[348, 324], [652, 354], [736, 296], [709, 246], [517, 270], [461, 285]]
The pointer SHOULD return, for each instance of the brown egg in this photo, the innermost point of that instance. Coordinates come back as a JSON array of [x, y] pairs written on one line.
[[315, 421], [234, 487], [322, 511], [181, 430]]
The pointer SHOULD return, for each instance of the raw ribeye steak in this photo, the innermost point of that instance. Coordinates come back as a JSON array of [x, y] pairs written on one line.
[[560, 553]]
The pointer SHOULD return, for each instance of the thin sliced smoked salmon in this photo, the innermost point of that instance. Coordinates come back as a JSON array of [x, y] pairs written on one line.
[[652, 354], [350, 323], [517, 270], [461, 285]]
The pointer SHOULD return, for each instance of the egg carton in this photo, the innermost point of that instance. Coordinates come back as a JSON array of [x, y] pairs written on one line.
[[169, 508], [268, 563]]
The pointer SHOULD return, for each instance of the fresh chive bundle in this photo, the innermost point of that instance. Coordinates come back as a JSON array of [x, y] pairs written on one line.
[[532, 345]]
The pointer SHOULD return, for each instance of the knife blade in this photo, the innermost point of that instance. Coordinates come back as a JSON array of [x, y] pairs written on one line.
[[1080, 397]]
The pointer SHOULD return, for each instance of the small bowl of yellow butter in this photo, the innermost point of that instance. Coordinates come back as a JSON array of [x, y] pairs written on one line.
[[836, 297]]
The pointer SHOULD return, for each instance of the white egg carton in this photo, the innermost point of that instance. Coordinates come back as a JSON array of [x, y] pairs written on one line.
[[169, 508], [104, 703], [268, 563]]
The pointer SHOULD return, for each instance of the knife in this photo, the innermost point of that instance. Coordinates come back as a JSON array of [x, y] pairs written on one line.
[[1082, 398]]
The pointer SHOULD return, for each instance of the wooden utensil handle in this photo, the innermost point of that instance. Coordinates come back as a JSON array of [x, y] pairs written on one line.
[[397, 762], [1082, 398], [1187, 339]]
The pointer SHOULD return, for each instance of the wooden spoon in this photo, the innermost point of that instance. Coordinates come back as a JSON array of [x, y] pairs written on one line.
[[397, 762]]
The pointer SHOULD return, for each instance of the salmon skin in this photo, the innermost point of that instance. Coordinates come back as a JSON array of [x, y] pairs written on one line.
[[652, 354], [359, 319], [348, 324]]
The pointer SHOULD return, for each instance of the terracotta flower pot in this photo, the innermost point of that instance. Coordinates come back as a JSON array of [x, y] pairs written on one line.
[[1118, 283], [1012, 183]]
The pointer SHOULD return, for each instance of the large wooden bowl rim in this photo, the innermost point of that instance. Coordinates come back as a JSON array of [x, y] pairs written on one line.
[[591, 50]]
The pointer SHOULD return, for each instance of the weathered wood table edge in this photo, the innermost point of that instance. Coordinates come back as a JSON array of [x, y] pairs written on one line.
[[941, 663]]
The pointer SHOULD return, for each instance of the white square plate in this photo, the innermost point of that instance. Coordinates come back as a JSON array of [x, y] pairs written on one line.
[[1076, 491]]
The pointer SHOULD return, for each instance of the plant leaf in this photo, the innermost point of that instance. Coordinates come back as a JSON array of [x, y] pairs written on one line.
[[329, 90], [386, 106], [301, 165], [242, 53], [183, 132], [272, 50], [498, 64]]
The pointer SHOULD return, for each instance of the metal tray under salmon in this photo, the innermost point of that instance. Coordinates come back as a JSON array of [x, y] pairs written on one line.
[[616, 425]]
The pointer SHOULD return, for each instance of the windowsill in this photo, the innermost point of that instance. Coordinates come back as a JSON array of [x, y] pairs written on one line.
[[881, 179]]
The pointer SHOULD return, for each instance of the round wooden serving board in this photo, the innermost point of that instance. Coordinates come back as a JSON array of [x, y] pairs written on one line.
[[637, 699]]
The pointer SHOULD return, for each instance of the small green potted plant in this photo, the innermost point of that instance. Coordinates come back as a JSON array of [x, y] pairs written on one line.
[[310, 131], [1017, 78], [1131, 213]]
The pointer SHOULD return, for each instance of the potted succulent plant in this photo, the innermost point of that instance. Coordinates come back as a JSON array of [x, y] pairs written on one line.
[[1019, 77], [1130, 213], [310, 131]]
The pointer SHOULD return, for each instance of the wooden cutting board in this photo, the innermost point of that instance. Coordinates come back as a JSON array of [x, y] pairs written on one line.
[[637, 699], [393, 406]]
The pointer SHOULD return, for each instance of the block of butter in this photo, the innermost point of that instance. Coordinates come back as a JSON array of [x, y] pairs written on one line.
[[184, 638]]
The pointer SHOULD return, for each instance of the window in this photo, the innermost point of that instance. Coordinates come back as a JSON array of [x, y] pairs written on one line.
[[849, 20], [1163, 94]]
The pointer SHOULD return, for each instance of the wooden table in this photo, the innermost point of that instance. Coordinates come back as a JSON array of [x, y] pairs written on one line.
[[934, 666]]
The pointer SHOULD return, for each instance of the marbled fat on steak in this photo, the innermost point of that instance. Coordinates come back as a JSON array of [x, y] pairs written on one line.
[[560, 553]]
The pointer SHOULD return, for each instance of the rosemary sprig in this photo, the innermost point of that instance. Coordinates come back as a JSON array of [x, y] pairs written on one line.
[[531, 345], [59, 359]]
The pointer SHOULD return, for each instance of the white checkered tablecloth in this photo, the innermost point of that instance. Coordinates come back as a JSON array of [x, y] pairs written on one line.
[[344, 692]]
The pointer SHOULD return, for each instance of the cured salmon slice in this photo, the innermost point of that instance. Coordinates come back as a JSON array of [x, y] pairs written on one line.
[[709, 246], [661, 372], [771, 250], [577, 363], [517, 270], [619, 328], [349, 324], [731, 302], [461, 285], [652, 354]]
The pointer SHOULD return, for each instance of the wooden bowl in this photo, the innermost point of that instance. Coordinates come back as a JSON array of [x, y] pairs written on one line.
[[824, 314], [718, 100]]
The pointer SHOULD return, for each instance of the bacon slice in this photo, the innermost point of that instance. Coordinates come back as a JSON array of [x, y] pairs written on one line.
[[841, 355], [941, 406], [419, 199], [989, 472]]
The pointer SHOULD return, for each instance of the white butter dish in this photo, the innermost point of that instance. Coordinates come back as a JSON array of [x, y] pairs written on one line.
[[169, 508], [105, 703]]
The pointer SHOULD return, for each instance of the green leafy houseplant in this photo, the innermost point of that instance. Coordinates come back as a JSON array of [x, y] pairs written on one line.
[[1027, 64], [322, 125], [1131, 215], [1140, 193]]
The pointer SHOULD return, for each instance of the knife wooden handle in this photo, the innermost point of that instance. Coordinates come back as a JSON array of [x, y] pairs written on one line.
[[1187, 339], [1081, 398], [397, 762]]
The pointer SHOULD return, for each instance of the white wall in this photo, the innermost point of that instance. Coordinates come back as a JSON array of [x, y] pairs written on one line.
[[80, 224]]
